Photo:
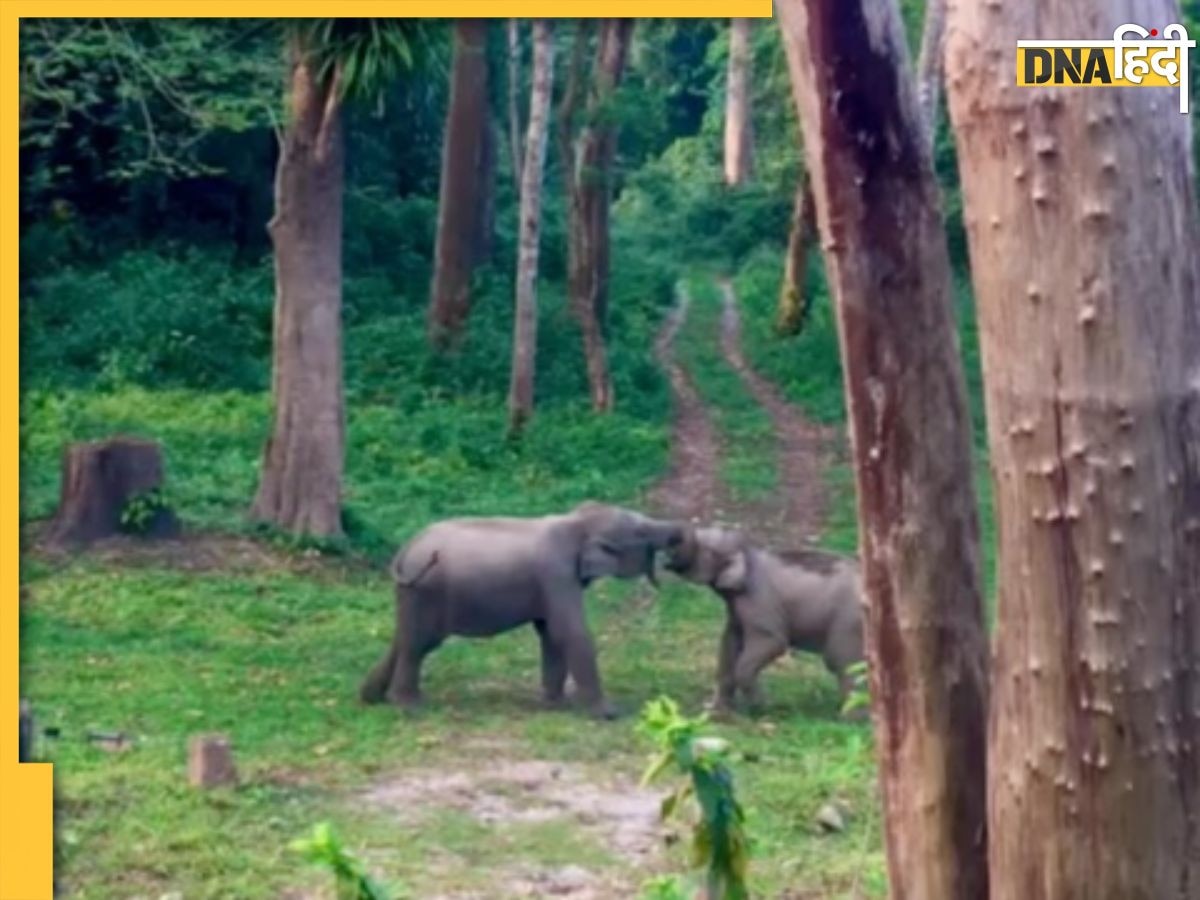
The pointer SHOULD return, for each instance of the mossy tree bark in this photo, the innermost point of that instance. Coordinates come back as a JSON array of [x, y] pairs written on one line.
[[794, 300], [880, 219], [588, 160]]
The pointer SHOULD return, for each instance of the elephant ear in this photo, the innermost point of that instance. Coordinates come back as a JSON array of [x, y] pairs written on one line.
[[734, 576], [595, 560]]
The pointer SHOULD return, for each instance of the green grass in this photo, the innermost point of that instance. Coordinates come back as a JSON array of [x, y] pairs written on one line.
[[273, 659], [807, 367], [748, 464]]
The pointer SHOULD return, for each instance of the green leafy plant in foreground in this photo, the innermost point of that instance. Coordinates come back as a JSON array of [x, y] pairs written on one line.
[[719, 844], [351, 881], [859, 696]]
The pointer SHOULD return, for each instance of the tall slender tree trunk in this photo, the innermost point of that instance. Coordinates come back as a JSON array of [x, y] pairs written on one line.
[[930, 65], [485, 218], [881, 224], [590, 191], [301, 482], [794, 301], [514, 103], [524, 362], [462, 202], [739, 133], [1083, 231]]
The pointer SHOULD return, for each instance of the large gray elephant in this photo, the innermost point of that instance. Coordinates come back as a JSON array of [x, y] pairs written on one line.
[[480, 577], [808, 601]]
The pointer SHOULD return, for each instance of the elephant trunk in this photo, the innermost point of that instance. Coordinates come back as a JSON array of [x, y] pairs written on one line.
[[683, 553], [663, 536]]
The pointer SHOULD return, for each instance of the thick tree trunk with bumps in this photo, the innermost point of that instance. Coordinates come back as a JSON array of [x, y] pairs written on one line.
[[1082, 220], [880, 219], [111, 486], [463, 201], [300, 489]]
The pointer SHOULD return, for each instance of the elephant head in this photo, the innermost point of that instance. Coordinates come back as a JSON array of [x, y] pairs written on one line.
[[712, 556], [620, 543]]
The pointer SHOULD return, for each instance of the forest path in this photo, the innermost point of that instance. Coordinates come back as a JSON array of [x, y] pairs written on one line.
[[787, 517], [691, 488]]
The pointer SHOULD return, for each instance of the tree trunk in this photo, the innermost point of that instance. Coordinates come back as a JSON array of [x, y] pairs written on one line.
[[100, 481], [930, 64], [520, 395], [514, 105], [739, 133], [1083, 232], [462, 204], [794, 301], [881, 223], [484, 241], [301, 483], [590, 194]]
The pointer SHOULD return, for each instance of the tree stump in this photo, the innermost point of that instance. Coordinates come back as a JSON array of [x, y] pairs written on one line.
[[110, 486], [210, 761]]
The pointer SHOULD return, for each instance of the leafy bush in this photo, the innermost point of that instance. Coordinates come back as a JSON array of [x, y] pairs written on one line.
[[167, 319], [719, 843], [351, 881]]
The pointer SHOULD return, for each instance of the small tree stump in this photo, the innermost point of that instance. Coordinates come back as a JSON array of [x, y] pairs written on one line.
[[99, 480], [210, 761]]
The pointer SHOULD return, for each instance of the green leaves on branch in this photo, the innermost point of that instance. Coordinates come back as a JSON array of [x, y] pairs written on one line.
[[719, 843], [351, 881], [858, 697], [365, 55]]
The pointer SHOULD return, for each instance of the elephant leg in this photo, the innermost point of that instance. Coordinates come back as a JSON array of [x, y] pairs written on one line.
[[554, 665], [731, 645], [420, 636], [568, 630], [758, 651], [375, 685]]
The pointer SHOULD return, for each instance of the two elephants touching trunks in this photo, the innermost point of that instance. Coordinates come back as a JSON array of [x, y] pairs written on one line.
[[478, 577]]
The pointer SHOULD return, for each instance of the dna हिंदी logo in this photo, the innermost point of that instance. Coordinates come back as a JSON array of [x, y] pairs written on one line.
[[1146, 60]]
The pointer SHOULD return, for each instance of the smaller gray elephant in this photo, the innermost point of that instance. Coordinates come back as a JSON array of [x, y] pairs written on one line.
[[808, 601]]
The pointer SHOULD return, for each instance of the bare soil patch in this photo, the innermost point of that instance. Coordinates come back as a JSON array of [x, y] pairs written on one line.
[[197, 551], [614, 812], [691, 487]]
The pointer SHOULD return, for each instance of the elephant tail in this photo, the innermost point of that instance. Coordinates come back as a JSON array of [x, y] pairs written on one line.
[[397, 569]]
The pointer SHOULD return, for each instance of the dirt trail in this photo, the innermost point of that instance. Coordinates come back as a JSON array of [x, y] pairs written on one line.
[[690, 488], [794, 513]]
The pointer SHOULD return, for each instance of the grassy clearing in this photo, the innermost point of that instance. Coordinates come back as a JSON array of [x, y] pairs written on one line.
[[273, 659], [272, 655]]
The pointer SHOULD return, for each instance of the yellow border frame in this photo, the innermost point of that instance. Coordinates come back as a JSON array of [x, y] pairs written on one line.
[[26, 790]]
